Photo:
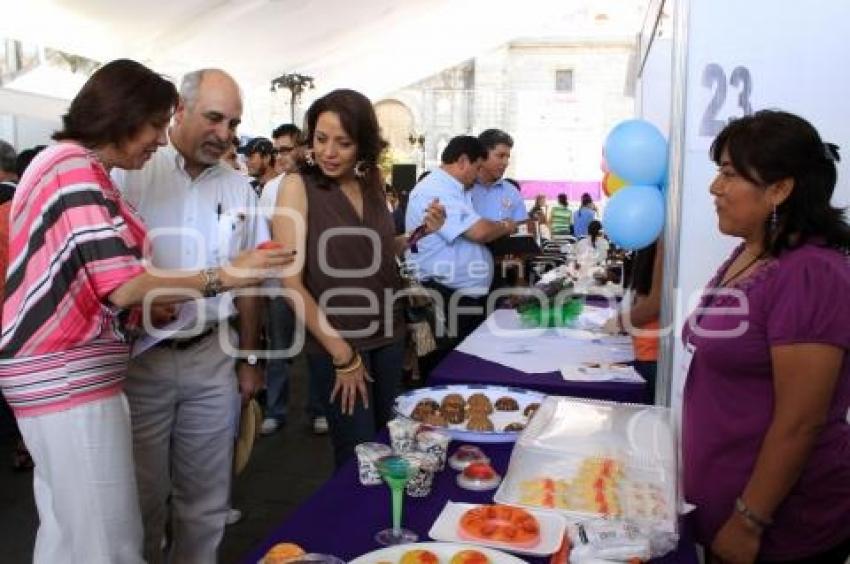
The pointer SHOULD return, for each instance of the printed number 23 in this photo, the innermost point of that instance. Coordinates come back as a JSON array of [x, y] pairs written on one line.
[[714, 77]]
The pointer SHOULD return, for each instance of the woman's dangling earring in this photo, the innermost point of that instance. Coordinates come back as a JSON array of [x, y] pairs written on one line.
[[774, 221], [309, 158], [360, 169]]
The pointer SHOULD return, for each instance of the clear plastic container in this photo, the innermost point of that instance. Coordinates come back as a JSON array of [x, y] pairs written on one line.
[[465, 455], [588, 459], [478, 476]]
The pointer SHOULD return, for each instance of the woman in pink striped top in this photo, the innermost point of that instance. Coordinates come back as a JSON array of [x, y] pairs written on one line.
[[75, 269]]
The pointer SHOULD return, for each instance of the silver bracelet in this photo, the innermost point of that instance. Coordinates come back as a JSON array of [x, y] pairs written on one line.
[[212, 282], [747, 513]]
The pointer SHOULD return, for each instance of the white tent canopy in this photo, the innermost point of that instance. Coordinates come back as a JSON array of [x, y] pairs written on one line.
[[375, 46]]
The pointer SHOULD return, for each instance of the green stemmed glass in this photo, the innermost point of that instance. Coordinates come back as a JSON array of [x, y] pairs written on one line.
[[396, 472]]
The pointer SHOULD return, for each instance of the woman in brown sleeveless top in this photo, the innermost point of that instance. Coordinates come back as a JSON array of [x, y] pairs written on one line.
[[343, 287]]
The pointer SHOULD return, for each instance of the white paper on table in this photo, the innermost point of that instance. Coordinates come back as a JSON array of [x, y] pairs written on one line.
[[605, 372], [502, 339], [187, 313]]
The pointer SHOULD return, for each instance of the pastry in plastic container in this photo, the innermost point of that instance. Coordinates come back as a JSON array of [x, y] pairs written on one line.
[[478, 476], [465, 455]]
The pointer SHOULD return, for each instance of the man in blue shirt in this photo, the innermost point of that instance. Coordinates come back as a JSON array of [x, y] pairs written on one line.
[[454, 261], [493, 197]]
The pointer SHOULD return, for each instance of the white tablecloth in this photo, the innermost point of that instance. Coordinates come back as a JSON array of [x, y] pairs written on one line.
[[503, 339]]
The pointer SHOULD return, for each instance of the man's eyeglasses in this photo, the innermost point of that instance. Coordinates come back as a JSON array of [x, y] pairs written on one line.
[[284, 150]]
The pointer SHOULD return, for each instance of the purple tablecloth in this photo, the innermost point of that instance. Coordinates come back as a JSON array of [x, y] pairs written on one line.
[[462, 368], [343, 516]]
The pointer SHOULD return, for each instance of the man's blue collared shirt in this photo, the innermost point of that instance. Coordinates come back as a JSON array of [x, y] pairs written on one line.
[[447, 256], [501, 200]]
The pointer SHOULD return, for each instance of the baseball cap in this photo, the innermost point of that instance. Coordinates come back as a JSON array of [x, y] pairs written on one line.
[[257, 145]]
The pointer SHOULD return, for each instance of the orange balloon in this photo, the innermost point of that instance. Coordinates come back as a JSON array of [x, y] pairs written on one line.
[[611, 184]]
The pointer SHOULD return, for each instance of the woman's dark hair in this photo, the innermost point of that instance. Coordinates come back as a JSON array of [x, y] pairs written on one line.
[[641, 269], [593, 230], [116, 102], [562, 199], [586, 200], [358, 120], [772, 145]]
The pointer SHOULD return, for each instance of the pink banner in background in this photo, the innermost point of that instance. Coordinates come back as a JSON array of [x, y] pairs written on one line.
[[551, 188]]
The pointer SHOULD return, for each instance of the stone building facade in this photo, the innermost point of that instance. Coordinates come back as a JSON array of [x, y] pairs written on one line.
[[557, 99]]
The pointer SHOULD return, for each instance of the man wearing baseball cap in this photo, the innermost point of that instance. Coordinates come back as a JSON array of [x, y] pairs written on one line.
[[260, 157]]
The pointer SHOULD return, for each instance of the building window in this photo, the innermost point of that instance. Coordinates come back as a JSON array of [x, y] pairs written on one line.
[[564, 80]]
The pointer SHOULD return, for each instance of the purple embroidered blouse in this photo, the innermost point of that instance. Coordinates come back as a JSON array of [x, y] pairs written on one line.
[[801, 297]]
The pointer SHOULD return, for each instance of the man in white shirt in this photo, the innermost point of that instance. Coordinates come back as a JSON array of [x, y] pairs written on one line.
[[183, 394]]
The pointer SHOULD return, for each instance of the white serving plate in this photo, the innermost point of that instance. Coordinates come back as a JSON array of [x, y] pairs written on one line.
[[443, 550], [552, 529], [405, 403]]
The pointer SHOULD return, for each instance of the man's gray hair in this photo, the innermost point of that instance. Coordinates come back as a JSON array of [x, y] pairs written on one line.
[[190, 86], [7, 157]]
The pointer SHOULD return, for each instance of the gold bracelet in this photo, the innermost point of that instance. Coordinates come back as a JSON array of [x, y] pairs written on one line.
[[350, 367]]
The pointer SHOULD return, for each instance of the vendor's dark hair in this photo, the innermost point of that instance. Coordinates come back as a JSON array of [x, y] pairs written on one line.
[[586, 200], [562, 199], [358, 120], [593, 230], [772, 145], [641, 268], [116, 102]]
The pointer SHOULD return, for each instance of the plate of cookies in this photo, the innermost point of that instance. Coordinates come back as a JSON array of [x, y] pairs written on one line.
[[474, 413]]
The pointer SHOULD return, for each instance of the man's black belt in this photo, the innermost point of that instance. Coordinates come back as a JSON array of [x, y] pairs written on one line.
[[187, 343]]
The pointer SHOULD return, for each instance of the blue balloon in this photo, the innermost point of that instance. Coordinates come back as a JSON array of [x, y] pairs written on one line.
[[636, 152], [634, 216]]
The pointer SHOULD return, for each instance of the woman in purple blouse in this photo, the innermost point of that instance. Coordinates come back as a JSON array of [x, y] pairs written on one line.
[[766, 440]]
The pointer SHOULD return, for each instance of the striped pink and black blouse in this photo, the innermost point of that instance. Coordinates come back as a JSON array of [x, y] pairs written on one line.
[[72, 241]]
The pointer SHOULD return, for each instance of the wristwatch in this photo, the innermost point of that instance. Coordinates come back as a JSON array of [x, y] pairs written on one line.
[[251, 360]]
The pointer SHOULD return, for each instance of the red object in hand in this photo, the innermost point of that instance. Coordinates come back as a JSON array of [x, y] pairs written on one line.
[[266, 245], [479, 471]]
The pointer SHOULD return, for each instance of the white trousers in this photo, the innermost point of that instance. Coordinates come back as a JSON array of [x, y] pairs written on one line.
[[183, 406], [85, 487]]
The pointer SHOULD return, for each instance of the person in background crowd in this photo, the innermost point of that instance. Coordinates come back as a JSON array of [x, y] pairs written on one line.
[[356, 358], [640, 311], [287, 142], [259, 162], [280, 321], [8, 180], [231, 156], [25, 157], [184, 391], [64, 349], [539, 214], [561, 218], [493, 197], [8, 172], [21, 459], [583, 216], [594, 247], [455, 259], [765, 435]]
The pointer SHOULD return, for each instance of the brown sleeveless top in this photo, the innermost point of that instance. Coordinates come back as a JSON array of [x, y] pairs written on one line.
[[329, 208]]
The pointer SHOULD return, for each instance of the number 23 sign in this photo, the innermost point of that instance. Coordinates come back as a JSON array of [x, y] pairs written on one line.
[[715, 80]]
